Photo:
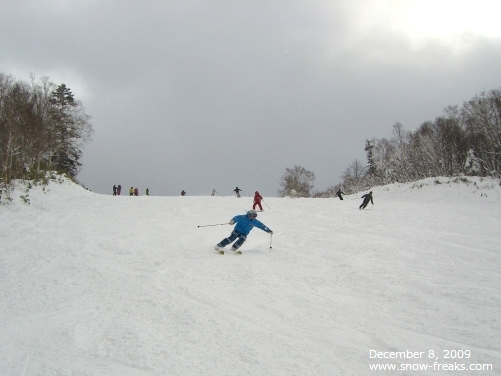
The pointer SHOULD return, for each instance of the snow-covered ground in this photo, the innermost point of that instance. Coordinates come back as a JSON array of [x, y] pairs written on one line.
[[100, 285]]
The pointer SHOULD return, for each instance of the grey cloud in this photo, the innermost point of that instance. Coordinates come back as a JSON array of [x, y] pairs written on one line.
[[198, 95]]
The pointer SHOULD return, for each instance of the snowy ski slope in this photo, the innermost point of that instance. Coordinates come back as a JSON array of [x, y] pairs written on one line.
[[100, 285]]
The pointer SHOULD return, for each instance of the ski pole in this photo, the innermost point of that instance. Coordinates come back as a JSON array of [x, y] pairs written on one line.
[[218, 224], [266, 204], [271, 236]]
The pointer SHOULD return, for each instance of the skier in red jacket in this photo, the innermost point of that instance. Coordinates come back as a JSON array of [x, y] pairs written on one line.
[[257, 201]]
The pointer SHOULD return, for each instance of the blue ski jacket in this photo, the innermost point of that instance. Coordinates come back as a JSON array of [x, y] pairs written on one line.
[[244, 224]]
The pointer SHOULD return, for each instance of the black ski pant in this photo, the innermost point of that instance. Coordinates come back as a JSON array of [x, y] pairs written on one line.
[[364, 204], [234, 234]]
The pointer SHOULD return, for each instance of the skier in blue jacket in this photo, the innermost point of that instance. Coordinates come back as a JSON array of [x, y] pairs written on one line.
[[244, 224]]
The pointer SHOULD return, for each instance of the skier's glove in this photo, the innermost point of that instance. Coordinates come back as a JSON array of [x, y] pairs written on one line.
[[270, 232], [232, 223]]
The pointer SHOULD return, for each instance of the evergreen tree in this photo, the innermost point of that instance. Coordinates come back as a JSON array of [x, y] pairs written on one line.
[[70, 126]]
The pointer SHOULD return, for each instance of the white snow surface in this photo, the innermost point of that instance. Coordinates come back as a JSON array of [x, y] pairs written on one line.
[[93, 284]]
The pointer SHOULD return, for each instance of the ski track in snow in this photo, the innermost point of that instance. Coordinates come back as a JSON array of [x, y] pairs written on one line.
[[101, 285]]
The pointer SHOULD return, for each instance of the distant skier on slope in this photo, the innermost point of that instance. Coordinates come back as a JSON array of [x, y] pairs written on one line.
[[367, 197], [114, 190], [257, 201], [339, 193], [213, 192], [237, 191], [244, 224], [183, 193]]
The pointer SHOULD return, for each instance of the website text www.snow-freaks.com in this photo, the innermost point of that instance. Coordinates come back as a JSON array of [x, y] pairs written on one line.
[[430, 367], [449, 360]]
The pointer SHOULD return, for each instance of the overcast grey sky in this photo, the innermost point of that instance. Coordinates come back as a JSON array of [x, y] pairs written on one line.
[[197, 95]]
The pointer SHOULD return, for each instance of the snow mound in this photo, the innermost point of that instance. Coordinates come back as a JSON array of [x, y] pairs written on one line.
[[27, 192], [444, 188]]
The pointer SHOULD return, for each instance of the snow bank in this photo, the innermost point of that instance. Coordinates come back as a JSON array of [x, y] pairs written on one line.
[[444, 188]]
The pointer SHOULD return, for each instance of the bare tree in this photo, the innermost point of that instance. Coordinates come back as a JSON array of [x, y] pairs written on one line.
[[298, 179], [383, 155], [354, 177], [14, 117], [482, 117]]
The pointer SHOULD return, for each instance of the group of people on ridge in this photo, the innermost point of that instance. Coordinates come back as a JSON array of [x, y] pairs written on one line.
[[117, 190]]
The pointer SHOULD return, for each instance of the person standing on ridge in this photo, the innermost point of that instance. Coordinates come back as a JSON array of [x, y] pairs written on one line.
[[257, 201], [339, 193], [119, 189], [131, 191], [237, 191], [367, 197], [147, 192], [114, 190], [213, 192], [243, 225], [136, 192], [183, 193]]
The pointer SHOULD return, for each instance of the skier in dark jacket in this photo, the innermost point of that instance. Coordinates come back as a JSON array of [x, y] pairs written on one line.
[[114, 190], [367, 197], [244, 224], [339, 193], [237, 191]]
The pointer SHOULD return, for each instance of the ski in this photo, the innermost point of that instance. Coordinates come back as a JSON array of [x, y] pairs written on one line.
[[221, 251]]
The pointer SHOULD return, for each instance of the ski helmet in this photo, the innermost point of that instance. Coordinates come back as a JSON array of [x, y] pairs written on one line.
[[252, 213]]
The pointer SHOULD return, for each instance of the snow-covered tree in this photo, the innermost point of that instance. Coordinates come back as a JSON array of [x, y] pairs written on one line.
[[42, 127]]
